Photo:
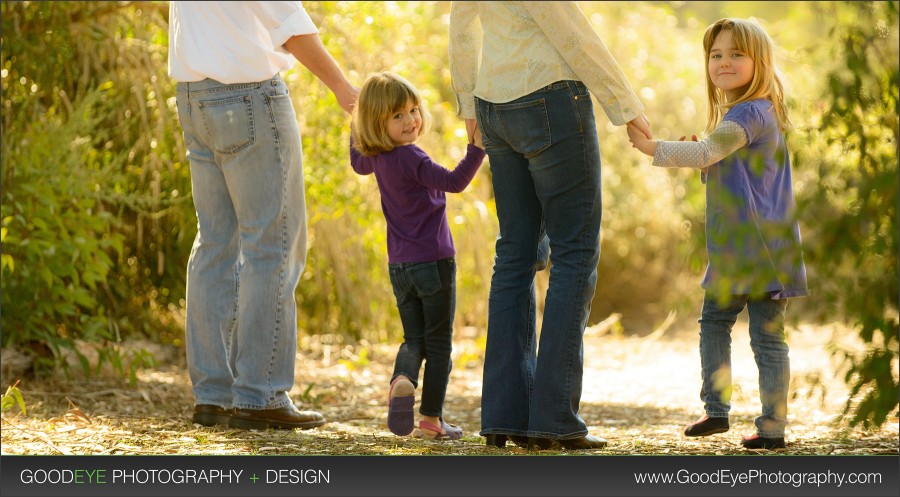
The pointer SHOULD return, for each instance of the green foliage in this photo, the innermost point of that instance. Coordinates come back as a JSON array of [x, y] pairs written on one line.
[[850, 178], [12, 397], [83, 204], [58, 232]]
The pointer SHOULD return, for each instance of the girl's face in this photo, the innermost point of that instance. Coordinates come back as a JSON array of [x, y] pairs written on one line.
[[729, 69], [403, 125]]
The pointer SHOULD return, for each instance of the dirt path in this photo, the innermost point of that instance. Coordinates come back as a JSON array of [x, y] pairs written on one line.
[[638, 394]]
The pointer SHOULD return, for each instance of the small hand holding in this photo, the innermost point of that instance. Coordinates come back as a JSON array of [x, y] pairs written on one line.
[[634, 135], [478, 139], [347, 98], [638, 137], [643, 125], [471, 126]]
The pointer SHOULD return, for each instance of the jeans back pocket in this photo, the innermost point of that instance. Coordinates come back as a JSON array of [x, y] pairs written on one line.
[[425, 278], [525, 125], [229, 123]]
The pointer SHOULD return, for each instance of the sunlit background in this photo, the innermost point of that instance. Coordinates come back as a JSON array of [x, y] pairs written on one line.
[[97, 217]]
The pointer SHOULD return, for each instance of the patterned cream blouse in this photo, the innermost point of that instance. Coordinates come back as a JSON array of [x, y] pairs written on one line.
[[525, 46]]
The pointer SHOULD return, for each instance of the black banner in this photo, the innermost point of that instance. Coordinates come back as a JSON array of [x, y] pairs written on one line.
[[433, 476]]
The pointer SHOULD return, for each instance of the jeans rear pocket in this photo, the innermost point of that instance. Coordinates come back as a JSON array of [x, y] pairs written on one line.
[[426, 278], [229, 122], [526, 126]]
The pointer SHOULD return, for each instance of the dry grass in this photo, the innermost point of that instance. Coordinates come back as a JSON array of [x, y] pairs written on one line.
[[638, 393]]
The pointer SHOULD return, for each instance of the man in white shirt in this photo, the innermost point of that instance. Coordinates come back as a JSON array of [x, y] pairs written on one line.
[[244, 148]]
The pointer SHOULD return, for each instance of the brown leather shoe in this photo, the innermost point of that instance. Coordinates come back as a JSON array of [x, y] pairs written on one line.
[[210, 415], [284, 418], [585, 442]]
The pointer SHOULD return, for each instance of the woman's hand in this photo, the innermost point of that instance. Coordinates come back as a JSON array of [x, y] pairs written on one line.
[[639, 140], [643, 125]]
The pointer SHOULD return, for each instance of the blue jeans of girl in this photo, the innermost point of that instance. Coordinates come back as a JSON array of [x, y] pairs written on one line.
[[426, 299], [770, 350], [243, 144], [545, 167]]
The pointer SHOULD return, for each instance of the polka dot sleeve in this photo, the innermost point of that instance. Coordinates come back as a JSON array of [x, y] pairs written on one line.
[[726, 139]]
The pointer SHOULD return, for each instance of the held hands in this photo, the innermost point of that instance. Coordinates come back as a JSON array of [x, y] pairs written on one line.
[[478, 141], [346, 98], [643, 125], [640, 141], [474, 134], [640, 136]]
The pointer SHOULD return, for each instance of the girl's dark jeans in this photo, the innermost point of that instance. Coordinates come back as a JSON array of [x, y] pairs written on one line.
[[426, 299]]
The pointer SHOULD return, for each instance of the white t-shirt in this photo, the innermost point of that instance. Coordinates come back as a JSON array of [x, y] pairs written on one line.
[[233, 42]]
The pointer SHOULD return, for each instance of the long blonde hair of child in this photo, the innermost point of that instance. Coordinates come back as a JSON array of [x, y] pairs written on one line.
[[382, 95], [751, 39]]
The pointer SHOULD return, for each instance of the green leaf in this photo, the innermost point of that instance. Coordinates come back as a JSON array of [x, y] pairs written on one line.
[[13, 396]]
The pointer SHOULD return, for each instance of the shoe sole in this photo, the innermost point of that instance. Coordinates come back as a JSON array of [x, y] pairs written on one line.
[[262, 424], [708, 432], [209, 419], [401, 416], [765, 445], [401, 402]]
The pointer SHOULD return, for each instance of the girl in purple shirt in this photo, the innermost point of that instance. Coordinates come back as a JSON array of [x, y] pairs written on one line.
[[387, 120], [752, 235]]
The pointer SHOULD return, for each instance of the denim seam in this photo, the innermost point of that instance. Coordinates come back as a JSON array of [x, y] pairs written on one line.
[[232, 328], [282, 277], [570, 349], [581, 311], [279, 298], [529, 345], [574, 101]]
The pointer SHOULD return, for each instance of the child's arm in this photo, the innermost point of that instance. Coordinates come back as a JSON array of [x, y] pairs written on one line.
[[475, 135], [433, 175], [726, 139], [361, 164]]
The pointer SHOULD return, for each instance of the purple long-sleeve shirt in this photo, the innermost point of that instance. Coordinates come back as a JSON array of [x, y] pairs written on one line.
[[412, 190]]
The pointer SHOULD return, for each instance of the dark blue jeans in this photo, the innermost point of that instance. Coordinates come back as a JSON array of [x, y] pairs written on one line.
[[426, 299], [545, 168]]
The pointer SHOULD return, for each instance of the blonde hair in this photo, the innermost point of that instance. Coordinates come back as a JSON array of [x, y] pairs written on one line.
[[382, 95], [751, 39]]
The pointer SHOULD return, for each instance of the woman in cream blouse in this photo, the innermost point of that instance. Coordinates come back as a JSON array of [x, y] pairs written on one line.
[[525, 72]]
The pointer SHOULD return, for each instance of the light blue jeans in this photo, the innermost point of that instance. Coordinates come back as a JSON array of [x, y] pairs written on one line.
[[770, 350], [243, 144], [545, 167]]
